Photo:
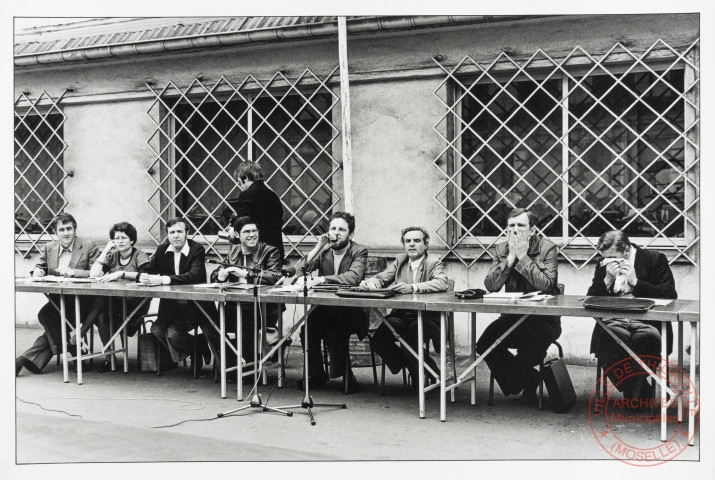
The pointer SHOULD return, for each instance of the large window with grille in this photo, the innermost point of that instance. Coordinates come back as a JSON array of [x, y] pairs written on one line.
[[39, 170], [586, 149], [202, 136]]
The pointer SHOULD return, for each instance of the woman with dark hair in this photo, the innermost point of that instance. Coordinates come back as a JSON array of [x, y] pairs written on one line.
[[119, 260]]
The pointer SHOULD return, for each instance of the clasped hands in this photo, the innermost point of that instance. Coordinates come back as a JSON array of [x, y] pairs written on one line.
[[399, 287], [238, 271], [518, 242], [620, 267]]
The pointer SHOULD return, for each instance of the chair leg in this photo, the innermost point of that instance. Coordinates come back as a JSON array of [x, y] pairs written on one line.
[[541, 385], [194, 362], [158, 358], [374, 364], [382, 380], [453, 356], [491, 389], [90, 333], [346, 375]]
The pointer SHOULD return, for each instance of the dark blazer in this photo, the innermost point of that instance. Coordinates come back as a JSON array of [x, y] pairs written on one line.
[[655, 280], [263, 205], [84, 253], [192, 269], [431, 275], [264, 255]]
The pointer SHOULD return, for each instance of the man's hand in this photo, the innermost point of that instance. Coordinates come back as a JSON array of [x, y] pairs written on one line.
[[612, 270], [147, 279], [401, 287], [511, 242], [521, 243], [65, 272], [630, 273], [368, 285], [37, 272], [222, 274]]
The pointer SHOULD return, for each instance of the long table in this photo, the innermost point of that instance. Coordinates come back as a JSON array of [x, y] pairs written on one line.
[[562, 305]]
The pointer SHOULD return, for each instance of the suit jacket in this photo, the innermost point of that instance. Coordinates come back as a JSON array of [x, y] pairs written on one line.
[[535, 271], [192, 269], [265, 256], [263, 205], [84, 253], [431, 275], [655, 280], [350, 272]]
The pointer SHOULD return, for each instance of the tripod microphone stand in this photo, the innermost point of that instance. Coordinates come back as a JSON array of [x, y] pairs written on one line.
[[256, 399], [307, 402]]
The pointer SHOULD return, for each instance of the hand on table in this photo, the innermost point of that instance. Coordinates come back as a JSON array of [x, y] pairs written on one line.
[[401, 287]]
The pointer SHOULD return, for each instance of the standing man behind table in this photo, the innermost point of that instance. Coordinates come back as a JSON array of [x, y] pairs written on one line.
[[251, 253], [179, 261], [344, 262], [627, 270], [260, 203], [68, 256], [526, 262], [414, 271]]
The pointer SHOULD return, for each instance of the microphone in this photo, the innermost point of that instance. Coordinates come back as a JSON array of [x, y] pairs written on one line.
[[286, 272]]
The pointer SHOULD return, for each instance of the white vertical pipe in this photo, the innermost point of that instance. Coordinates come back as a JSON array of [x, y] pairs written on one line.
[[345, 112]]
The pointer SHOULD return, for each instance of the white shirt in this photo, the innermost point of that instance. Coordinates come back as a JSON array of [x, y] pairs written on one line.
[[177, 256], [414, 266], [337, 259]]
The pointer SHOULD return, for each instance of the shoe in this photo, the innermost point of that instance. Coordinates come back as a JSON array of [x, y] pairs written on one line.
[[133, 327], [19, 363], [314, 383], [353, 385], [104, 367], [529, 396]]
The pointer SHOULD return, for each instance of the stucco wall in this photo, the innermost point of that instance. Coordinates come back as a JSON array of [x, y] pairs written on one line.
[[394, 111]]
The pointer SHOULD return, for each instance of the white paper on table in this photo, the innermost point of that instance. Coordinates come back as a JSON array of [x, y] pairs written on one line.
[[58, 279], [503, 295], [661, 301], [288, 289], [535, 298]]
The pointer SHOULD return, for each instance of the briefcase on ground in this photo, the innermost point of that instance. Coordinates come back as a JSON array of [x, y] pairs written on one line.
[[379, 293], [147, 348], [562, 395], [623, 304]]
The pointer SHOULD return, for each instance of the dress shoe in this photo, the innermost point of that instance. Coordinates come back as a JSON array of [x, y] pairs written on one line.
[[105, 366], [529, 395]]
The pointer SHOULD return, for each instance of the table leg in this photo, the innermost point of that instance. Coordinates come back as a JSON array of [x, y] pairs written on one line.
[[692, 408], [473, 354], [442, 367], [222, 349], [63, 341], [112, 357], [239, 352], [663, 382], [78, 336], [421, 362], [679, 398], [281, 360], [124, 335]]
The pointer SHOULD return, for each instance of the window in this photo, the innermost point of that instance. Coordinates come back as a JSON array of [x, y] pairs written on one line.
[[590, 148], [203, 133], [39, 170]]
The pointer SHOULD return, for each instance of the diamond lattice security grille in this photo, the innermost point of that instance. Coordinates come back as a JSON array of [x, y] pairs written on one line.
[[39, 169], [204, 131], [588, 143]]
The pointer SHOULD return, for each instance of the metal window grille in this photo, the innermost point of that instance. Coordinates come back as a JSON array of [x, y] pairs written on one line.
[[203, 132], [39, 169], [587, 143]]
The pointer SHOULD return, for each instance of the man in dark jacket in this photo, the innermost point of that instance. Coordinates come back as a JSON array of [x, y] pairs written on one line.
[[179, 261], [343, 262], [626, 270], [251, 253], [68, 256], [260, 203], [525, 263]]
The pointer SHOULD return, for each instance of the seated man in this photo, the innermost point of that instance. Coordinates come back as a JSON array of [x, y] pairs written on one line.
[[179, 261], [526, 262], [69, 256], [340, 261], [414, 271], [626, 270], [250, 253]]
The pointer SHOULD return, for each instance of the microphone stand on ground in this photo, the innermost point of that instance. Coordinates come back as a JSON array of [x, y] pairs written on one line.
[[307, 402], [256, 399]]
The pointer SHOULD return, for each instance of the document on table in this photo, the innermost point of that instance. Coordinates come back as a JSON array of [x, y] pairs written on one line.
[[58, 279], [661, 301], [503, 295]]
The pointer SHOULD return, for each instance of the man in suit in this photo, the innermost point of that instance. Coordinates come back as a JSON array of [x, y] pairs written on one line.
[[179, 261], [69, 256], [343, 262], [626, 270], [261, 203], [415, 271], [526, 262]]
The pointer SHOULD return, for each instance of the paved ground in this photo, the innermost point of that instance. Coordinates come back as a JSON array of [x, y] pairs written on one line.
[[138, 417]]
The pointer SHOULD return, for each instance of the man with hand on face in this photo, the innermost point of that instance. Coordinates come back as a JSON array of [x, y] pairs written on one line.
[[69, 256], [414, 271], [344, 262], [526, 262], [626, 270], [251, 253], [179, 261]]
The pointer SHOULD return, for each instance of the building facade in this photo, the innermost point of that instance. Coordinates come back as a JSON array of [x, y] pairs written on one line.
[[591, 121]]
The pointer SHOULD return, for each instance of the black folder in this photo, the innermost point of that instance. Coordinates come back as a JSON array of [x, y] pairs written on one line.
[[622, 304]]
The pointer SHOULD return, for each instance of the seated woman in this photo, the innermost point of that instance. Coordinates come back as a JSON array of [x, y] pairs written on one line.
[[250, 253], [118, 260]]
